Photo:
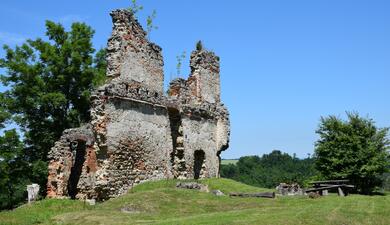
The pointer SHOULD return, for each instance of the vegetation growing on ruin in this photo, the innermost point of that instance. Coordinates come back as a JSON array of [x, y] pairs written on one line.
[[179, 59], [199, 46], [135, 8], [161, 203], [150, 23]]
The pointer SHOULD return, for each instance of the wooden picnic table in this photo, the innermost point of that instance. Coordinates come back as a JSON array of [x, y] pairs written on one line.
[[322, 187]]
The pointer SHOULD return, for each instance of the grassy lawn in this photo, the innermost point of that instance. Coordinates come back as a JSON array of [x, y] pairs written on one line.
[[161, 203]]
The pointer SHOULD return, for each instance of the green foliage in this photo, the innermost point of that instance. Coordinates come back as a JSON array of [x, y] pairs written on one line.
[[149, 23], [12, 170], [354, 149], [100, 65], [4, 114], [229, 171], [270, 169], [49, 83], [135, 8], [12, 166], [199, 46], [386, 182], [179, 63]]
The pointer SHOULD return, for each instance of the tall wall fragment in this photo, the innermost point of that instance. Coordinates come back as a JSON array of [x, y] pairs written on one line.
[[137, 133], [130, 56], [204, 78]]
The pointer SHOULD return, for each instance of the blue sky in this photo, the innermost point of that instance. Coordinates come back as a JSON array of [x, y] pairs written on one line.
[[284, 64]]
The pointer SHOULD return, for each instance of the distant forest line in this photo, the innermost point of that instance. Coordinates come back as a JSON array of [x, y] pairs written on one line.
[[269, 170]]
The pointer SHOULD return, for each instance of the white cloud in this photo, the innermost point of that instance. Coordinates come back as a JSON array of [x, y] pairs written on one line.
[[11, 38]]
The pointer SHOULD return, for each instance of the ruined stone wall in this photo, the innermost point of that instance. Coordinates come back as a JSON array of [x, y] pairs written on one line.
[[130, 56], [139, 143], [200, 135], [136, 132], [72, 162], [205, 81]]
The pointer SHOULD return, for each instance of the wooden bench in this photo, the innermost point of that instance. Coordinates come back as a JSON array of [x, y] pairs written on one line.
[[322, 187]]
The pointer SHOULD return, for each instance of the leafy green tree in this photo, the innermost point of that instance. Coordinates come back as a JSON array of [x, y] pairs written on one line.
[[270, 169], [386, 182], [354, 149], [12, 166], [49, 83], [229, 170], [12, 170]]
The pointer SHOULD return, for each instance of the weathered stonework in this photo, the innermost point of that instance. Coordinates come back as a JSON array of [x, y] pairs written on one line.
[[137, 133]]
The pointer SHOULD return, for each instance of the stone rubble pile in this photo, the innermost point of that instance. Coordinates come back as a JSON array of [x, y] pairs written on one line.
[[192, 185], [289, 189]]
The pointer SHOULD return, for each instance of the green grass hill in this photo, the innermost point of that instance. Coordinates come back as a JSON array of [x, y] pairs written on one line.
[[161, 203]]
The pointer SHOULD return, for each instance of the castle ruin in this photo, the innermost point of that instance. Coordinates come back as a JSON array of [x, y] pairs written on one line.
[[137, 132]]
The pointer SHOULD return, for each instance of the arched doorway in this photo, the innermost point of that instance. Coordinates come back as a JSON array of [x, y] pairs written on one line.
[[199, 158], [78, 149]]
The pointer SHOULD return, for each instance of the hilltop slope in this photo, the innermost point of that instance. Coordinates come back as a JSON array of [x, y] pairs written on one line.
[[161, 203]]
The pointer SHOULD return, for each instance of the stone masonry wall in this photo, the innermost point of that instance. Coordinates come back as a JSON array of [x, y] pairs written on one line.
[[205, 76], [73, 155], [137, 133], [130, 56]]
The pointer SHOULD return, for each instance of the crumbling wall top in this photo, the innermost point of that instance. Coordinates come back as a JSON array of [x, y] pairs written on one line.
[[204, 81], [203, 84], [204, 59], [123, 18], [131, 57]]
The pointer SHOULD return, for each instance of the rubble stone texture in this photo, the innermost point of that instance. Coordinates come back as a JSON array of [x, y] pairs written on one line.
[[289, 189], [137, 133]]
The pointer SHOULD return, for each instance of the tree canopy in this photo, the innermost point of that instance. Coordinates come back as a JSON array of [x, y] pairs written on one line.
[[354, 149], [49, 82], [270, 170]]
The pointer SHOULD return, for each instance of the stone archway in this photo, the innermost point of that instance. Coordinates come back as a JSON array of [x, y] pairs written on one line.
[[199, 159]]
